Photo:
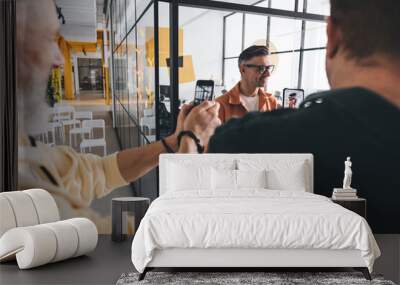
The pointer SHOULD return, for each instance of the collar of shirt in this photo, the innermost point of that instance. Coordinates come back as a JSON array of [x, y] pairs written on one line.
[[234, 97]]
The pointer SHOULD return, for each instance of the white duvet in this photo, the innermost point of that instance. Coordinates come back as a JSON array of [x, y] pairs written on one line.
[[250, 218]]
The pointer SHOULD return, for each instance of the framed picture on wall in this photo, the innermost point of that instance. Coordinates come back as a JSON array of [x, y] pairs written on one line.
[[292, 98]]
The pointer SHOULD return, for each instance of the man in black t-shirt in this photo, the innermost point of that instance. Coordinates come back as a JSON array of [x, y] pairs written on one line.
[[360, 117]]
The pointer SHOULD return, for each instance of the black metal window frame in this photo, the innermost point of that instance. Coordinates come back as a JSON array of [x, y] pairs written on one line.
[[8, 99], [114, 49], [228, 7], [301, 48]]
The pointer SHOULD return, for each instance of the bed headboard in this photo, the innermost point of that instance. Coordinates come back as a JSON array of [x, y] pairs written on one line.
[[235, 161]]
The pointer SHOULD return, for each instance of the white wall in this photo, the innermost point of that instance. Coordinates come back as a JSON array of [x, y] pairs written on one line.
[[202, 39]]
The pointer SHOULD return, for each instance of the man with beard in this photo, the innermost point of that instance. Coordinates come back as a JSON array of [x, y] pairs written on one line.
[[249, 95], [359, 117], [72, 178]]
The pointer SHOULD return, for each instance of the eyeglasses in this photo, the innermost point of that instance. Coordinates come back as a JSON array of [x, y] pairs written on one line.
[[262, 68]]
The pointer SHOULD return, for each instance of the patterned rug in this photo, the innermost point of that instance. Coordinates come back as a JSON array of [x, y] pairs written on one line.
[[243, 278]]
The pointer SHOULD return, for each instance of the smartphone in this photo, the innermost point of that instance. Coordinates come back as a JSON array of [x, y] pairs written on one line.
[[204, 91], [292, 98]]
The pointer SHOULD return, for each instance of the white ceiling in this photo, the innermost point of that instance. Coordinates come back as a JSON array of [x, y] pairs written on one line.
[[80, 19]]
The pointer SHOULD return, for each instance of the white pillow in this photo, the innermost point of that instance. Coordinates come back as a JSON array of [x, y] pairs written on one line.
[[188, 177], [290, 179], [251, 178], [224, 179], [281, 174]]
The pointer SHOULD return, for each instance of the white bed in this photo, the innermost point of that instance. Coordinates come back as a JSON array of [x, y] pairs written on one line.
[[229, 210]]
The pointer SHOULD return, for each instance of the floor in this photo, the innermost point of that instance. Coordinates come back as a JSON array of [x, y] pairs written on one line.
[[103, 266], [110, 259]]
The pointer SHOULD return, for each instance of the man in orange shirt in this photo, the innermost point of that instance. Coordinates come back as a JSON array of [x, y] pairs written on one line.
[[248, 94]]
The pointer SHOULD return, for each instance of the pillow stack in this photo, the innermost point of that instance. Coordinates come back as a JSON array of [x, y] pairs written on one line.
[[238, 174]]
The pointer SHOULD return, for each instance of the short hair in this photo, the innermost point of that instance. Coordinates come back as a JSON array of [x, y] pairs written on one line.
[[368, 26], [251, 52]]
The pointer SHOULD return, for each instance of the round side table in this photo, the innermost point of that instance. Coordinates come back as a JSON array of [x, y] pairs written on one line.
[[136, 205]]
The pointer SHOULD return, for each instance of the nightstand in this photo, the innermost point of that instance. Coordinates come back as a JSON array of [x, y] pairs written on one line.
[[357, 205], [136, 205]]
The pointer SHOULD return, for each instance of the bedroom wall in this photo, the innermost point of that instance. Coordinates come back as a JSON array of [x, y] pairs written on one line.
[[389, 262]]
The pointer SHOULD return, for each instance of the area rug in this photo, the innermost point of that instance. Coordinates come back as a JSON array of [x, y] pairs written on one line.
[[243, 278]]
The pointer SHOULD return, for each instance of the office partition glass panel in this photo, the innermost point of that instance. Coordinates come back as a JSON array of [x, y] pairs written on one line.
[[141, 6], [164, 111], [321, 7], [118, 116], [283, 4], [315, 35], [232, 73], [255, 31], [130, 14], [126, 130], [314, 74], [123, 133], [233, 34], [117, 73], [132, 75], [117, 22], [122, 18], [133, 134], [122, 137], [146, 72], [114, 22], [285, 34], [163, 42], [124, 75], [286, 72], [200, 37]]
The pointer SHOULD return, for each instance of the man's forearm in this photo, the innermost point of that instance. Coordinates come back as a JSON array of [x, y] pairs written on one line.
[[135, 162]]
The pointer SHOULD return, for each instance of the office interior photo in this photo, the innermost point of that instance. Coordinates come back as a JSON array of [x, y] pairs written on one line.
[[199, 142]]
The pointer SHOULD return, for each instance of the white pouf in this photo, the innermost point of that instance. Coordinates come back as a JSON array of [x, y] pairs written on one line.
[[46, 207], [37, 245], [31, 233], [23, 208], [7, 220]]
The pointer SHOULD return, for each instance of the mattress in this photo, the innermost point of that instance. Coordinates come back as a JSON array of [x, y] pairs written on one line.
[[251, 219]]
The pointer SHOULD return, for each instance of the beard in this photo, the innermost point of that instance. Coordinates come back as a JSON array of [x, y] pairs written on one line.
[[33, 110]]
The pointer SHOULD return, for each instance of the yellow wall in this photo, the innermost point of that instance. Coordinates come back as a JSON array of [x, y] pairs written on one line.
[[68, 85]]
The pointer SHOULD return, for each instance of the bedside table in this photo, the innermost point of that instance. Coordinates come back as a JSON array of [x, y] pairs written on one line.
[[136, 205], [357, 205]]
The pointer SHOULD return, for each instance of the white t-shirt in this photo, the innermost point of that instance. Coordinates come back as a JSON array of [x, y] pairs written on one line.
[[251, 103]]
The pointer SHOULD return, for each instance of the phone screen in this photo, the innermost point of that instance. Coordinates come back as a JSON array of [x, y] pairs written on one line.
[[292, 98], [204, 91]]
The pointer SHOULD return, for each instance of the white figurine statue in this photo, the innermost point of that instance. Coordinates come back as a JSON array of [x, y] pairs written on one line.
[[347, 174]]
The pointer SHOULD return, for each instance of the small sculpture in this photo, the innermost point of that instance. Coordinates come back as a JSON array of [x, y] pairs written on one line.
[[347, 174]]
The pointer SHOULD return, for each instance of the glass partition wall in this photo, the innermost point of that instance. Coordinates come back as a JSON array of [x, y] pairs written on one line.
[[133, 75], [161, 48], [297, 46]]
